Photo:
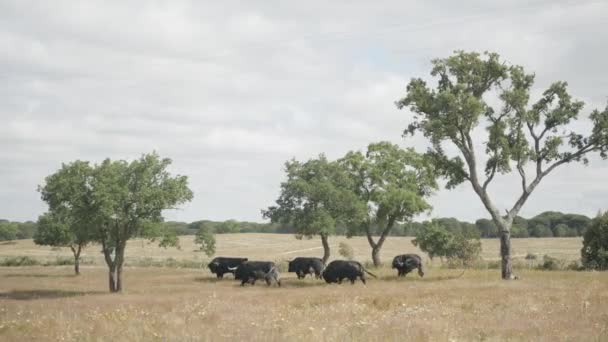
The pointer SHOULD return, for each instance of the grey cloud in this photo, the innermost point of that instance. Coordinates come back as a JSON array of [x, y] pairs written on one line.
[[230, 91]]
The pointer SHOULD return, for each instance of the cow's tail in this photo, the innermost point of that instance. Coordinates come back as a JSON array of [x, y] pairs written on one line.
[[368, 272]]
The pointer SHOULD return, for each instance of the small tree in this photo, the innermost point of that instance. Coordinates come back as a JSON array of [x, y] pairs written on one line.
[[439, 242], [62, 232], [120, 200], [595, 244], [314, 199], [64, 225], [8, 231], [206, 239], [517, 134], [392, 183]]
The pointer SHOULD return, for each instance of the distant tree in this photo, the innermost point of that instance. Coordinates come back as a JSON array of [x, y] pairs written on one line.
[[8, 231], [119, 201], [57, 231], [206, 239], [64, 225], [393, 184], [518, 231], [540, 230], [434, 241], [229, 226], [437, 241], [517, 134], [594, 254], [486, 228], [314, 199], [561, 230]]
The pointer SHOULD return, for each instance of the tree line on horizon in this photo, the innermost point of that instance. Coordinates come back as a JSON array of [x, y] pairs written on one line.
[[546, 224]]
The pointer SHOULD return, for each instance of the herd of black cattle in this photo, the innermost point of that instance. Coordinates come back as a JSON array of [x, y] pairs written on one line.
[[249, 271]]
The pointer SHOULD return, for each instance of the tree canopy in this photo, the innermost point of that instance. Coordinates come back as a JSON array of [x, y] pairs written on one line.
[[531, 139], [392, 184], [315, 198], [118, 200]]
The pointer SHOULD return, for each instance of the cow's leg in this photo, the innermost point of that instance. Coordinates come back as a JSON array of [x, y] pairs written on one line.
[[243, 282], [352, 280]]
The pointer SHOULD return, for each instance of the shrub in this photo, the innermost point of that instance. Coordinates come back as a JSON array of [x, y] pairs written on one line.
[[19, 261], [551, 264], [456, 247], [346, 250], [594, 254], [531, 256]]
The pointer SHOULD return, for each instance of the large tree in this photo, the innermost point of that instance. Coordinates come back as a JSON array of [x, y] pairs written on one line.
[[392, 184], [122, 200], [532, 139], [315, 198], [63, 225]]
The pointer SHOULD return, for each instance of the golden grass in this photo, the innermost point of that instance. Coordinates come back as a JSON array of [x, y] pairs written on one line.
[[49, 303]]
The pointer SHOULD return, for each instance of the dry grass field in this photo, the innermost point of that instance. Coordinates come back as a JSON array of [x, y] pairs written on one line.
[[169, 304]]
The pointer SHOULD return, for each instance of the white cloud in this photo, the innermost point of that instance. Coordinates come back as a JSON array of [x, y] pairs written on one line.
[[229, 90]]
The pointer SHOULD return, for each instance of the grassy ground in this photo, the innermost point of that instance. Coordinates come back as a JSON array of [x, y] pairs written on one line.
[[49, 303]]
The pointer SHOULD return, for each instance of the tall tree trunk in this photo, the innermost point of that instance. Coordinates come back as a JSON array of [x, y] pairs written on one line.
[[376, 255], [326, 252], [76, 252], [505, 254], [76, 265], [119, 278], [112, 278], [377, 246]]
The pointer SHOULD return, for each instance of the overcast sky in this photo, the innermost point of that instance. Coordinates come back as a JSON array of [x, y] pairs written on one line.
[[230, 90]]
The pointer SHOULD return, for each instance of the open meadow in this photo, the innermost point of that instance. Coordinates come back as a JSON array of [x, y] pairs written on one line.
[[50, 303]]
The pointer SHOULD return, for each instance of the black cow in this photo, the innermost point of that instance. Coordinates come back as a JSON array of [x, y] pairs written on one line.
[[303, 266], [338, 270], [405, 263], [222, 265], [250, 271]]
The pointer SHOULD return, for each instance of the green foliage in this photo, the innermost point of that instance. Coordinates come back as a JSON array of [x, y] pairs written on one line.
[[594, 254], [8, 231], [439, 242], [116, 201], [551, 264], [206, 239], [391, 182], [19, 261], [315, 198], [346, 250], [517, 133]]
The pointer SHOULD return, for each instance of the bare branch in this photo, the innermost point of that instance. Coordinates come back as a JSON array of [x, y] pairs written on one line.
[[522, 173], [490, 177]]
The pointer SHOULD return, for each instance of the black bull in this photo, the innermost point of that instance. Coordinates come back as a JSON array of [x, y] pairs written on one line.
[[338, 270], [303, 266], [222, 265], [406, 263], [250, 271]]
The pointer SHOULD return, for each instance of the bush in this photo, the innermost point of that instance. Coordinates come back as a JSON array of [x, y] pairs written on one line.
[[551, 264], [19, 261], [346, 250], [457, 248], [594, 254], [531, 256]]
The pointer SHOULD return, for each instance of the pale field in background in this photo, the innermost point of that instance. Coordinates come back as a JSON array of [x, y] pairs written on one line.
[[167, 304], [286, 246]]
